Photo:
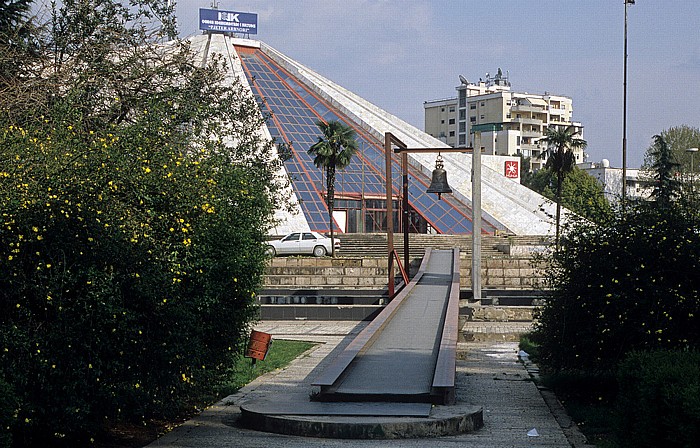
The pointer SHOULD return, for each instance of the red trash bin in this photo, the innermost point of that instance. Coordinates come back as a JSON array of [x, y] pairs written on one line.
[[258, 345]]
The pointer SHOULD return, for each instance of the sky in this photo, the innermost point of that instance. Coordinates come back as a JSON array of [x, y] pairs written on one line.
[[398, 54]]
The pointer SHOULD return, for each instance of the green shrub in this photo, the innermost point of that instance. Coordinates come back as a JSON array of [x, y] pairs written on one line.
[[529, 346], [659, 399], [629, 283], [8, 409], [134, 201]]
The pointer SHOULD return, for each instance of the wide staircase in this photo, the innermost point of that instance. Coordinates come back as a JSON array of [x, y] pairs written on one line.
[[352, 286]]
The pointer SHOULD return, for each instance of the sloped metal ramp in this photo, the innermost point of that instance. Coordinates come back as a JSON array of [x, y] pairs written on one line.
[[407, 353]]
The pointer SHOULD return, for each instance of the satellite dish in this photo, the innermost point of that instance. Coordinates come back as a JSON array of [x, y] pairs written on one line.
[[463, 80]]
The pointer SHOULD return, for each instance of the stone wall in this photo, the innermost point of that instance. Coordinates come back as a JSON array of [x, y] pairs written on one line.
[[326, 273], [503, 273], [371, 273]]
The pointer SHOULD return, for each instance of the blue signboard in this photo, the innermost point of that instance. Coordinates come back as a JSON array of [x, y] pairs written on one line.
[[228, 21]]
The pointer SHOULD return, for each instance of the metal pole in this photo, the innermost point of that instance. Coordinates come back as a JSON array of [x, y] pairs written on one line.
[[404, 170], [624, 116], [363, 210], [476, 217], [389, 214]]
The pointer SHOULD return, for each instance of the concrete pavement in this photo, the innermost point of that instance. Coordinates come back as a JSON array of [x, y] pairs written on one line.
[[488, 375]]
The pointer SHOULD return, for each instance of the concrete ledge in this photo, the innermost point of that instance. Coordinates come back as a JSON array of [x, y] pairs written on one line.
[[495, 331], [443, 421]]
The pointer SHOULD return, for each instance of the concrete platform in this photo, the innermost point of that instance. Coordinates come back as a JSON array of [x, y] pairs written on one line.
[[360, 420], [373, 420]]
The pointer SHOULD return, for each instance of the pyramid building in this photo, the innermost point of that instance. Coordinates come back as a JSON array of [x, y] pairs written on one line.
[[296, 97]]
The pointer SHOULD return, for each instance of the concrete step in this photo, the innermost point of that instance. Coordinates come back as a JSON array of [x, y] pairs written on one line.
[[494, 331]]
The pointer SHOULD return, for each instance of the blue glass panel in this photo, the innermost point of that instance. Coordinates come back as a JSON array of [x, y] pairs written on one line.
[[296, 111]]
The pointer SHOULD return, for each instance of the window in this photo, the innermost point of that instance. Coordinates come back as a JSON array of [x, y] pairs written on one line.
[[462, 115], [452, 121], [308, 236], [442, 121], [442, 109], [483, 104], [462, 140], [482, 117], [472, 106], [452, 133], [452, 108], [472, 119], [462, 127]]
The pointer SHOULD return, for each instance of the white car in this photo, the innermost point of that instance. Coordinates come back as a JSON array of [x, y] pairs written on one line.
[[302, 243]]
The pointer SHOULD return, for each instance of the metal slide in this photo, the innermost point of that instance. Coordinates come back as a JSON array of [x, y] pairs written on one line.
[[395, 357]]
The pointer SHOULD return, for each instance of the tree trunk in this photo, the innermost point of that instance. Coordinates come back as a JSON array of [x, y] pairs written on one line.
[[560, 180], [330, 186]]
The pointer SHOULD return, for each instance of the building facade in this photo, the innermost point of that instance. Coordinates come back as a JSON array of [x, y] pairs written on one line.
[[517, 121], [639, 183]]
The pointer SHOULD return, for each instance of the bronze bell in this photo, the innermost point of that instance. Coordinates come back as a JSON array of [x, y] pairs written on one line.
[[439, 183]]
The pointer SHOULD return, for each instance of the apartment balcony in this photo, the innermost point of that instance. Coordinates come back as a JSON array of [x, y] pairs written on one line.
[[533, 151], [527, 121], [523, 108], [530, 133]]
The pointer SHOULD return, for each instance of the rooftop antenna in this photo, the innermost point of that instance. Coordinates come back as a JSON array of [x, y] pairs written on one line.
[[463, 80], [214, 4]]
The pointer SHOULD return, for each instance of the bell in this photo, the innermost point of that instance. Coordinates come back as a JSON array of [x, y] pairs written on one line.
[[439, 183]]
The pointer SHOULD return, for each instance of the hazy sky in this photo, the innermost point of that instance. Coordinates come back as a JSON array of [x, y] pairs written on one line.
[[398, 54]]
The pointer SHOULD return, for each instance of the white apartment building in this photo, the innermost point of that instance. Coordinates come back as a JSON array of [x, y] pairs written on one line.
[[511, 123], [639, 183]]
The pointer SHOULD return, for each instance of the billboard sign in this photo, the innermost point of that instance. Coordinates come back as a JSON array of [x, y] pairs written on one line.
[[228, 21], [512, 171]]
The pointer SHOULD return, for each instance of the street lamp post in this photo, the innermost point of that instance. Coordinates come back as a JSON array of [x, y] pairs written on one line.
[[624, 113], [692, 152]]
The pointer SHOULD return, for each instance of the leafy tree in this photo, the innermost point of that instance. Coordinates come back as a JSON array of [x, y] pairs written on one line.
[[135, 194], [561, 160], [581, 193], [678, 139], [17, 45], [666, 185], [13, 20], [334, 150]]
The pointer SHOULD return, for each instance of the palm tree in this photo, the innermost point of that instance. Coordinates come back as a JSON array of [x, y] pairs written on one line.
[[561, 160], [334, 150]]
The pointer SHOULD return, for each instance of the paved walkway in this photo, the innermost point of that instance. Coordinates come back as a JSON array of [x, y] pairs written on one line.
[[488, 375]]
